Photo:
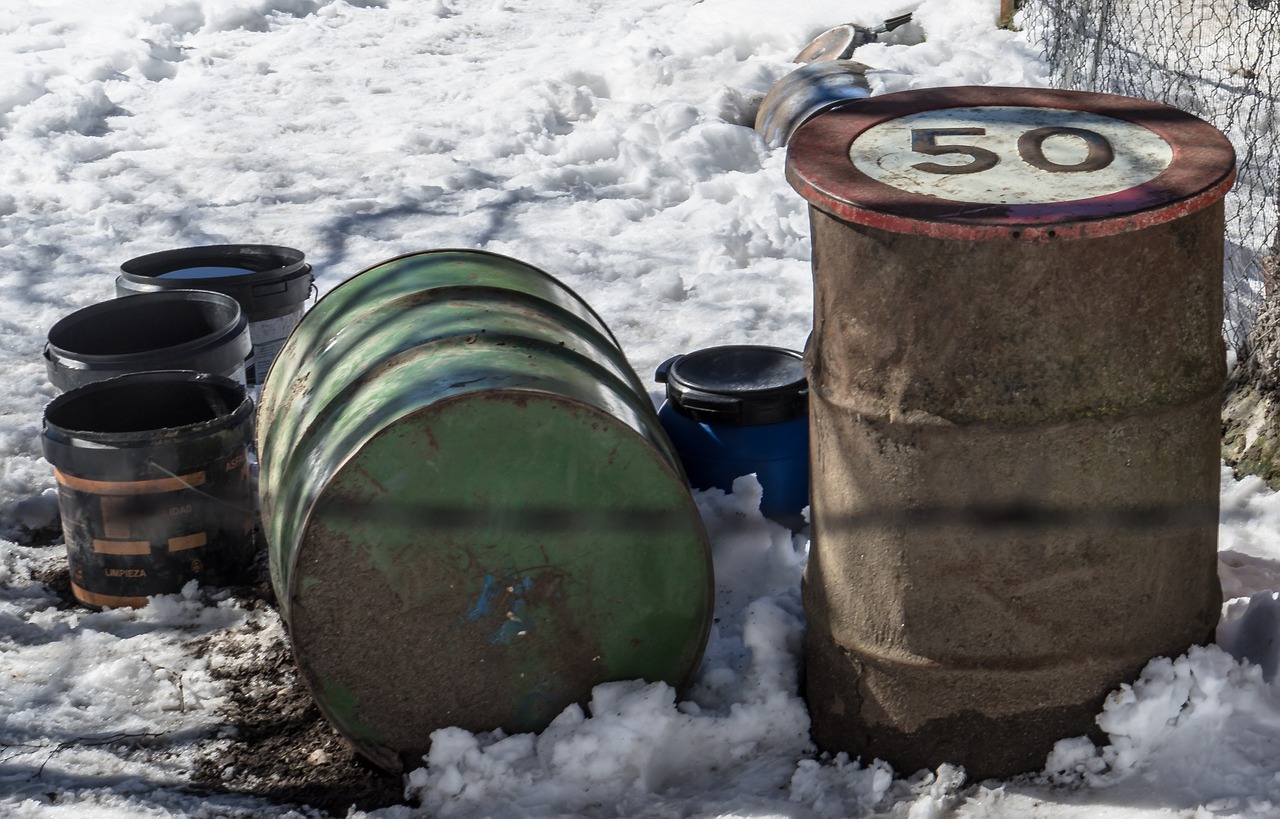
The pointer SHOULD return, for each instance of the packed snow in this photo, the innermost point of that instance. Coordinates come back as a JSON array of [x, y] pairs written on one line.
[[610, 144]]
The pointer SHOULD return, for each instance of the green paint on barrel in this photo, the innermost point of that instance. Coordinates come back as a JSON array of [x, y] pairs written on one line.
[[344, 701], [473, 514]]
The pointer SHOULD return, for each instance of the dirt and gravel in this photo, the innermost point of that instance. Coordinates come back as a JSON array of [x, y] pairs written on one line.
[[273, 742]]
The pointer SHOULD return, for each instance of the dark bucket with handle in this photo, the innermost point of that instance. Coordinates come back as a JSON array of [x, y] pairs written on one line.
[[153, 483]]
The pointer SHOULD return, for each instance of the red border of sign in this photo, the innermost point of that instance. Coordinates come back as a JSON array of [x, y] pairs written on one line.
[[818, 167]]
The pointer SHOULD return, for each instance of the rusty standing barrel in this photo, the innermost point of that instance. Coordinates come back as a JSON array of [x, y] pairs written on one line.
[[472, 513], [1015, 376]]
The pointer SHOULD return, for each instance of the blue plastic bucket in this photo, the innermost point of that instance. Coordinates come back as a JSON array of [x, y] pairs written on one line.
[[737, 410]]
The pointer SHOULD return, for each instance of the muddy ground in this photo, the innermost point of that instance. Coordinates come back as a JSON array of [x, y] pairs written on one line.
[[275, 744]]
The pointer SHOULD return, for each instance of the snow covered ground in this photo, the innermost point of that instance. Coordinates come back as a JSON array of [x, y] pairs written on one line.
[[611, 145]]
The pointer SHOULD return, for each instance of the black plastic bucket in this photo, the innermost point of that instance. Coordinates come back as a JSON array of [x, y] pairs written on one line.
[[153, 483], [178, 330], [269, 282]]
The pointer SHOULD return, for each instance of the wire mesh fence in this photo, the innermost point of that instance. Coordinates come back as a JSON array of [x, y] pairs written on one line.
[[1218, 59]]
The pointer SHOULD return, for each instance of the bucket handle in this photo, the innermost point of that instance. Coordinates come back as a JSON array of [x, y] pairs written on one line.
[[152, 463]]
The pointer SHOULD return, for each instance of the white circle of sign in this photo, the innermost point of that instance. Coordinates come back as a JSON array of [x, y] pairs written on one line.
[[1010, 155]]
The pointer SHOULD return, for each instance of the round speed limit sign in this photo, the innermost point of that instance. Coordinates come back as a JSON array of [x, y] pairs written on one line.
[[1009, 162]]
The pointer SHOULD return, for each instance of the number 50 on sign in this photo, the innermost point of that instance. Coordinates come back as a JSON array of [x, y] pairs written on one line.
[[1010, 154]]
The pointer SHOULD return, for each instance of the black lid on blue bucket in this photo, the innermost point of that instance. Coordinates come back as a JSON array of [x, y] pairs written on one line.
[[740, 385], [268, 281]]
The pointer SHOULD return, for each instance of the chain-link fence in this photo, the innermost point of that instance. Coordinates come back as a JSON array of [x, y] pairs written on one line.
[[1218, 59]]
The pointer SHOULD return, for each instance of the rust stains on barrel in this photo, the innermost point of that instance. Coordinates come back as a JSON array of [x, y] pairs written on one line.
[[1014, 377]]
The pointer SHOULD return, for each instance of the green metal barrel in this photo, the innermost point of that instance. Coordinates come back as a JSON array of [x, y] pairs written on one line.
[[473, 514]]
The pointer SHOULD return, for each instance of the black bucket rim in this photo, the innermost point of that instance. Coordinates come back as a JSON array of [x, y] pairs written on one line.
[[277, 279], [233, 328], [55, 434]]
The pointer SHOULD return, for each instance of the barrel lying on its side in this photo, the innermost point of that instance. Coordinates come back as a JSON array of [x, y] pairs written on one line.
[[473, 514]]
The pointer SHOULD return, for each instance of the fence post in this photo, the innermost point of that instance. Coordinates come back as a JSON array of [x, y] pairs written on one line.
[[1007, 8]]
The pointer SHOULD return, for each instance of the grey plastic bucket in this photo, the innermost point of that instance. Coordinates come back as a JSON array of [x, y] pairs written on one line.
[[270, 283], [176, 330]]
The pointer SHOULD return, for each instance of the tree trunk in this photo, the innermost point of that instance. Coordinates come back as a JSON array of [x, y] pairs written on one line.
[[1251, 405]]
